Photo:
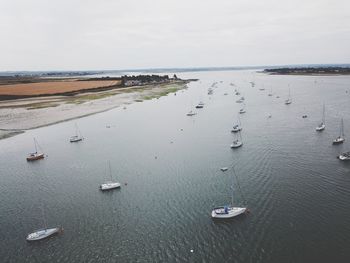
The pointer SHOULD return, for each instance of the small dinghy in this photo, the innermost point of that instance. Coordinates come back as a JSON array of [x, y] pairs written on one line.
[[109, 184], [35, 155], [322, 125], [341, 138], [43, 233], [344, 156]]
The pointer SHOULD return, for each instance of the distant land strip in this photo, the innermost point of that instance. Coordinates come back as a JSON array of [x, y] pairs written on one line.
[[309, 71], [27, 87]]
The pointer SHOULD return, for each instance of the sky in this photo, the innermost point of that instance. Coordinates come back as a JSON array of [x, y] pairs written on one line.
[[129, 34]]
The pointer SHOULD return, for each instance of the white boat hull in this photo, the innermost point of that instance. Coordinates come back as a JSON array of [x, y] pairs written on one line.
[[236, 145], [320, 127], [338, 141], [109, 186], [344, 157], [42, 233], [219, 212]]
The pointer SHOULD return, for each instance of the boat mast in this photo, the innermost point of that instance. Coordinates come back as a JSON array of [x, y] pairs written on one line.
[[324, 114], [341, 128], [110, 170], [36, 150]]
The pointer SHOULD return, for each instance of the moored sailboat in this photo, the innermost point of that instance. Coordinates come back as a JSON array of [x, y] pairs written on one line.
[[237, 142], [44, 232], [78, 136], [35, 155], [322, 125], [289, 99], [237, 127], [341, 138], [109, 184], [228, 211]]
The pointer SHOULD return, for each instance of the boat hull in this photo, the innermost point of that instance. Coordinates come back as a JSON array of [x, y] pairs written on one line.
[[219, 212], [236, 145], [43, 233], [75, 139], [344, 157], [35, 157], [338, 141], [109, 186]]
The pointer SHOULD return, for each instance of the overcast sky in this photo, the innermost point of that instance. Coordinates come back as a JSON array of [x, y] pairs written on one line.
[[124, 34]]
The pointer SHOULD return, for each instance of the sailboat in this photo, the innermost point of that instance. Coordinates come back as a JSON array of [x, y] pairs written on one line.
[[270, 93], [237, 142], [288, 100], [109, 184], [322, 125], [237, 127], [242, 110], [44, 232], [340, 139], [227, 211], [35, 155], [77, 137]]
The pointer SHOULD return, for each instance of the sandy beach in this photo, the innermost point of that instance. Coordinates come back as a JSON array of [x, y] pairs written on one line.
[[19, 115]]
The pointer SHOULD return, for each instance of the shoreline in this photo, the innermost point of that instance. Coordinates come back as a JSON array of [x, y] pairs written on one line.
[[18, 116]]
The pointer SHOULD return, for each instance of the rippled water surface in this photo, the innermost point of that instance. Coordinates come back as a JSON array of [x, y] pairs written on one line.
[[297, 191]]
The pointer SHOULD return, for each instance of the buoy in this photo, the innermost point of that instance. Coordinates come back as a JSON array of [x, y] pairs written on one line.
[[191, 250]]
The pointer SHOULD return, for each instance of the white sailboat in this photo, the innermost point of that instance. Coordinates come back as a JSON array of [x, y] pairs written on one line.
[[237, 142], [322, 125], [44, 232], [289, 99], [78, 136], [109, 184], [237, 127], [341, 138], [228, 211], [35, 155]]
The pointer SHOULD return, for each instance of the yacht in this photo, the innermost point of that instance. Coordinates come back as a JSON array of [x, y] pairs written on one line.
[[237, 142], [109, 184], [288, 100], [43, 233], [35, 155], [237, 127], [341, 138], [322, 125], [228, 211], [77, 137]]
